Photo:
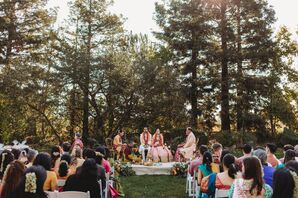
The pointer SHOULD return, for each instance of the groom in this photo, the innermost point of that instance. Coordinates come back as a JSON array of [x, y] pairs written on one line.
[[145, 147]]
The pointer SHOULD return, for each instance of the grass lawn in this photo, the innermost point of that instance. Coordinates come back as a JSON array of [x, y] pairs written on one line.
[[148, 186]]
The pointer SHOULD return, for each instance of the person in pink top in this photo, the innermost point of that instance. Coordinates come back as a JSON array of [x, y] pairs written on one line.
[[105, 163], [194, 164], [271, 158], [77, 142]]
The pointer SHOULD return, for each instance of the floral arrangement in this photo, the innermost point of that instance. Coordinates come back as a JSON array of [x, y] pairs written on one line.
[[30, 183], [124, 169], [179, 169]]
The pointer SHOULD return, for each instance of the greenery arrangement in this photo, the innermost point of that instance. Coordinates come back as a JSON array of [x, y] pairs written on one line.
[[124, 169], [179, 169]]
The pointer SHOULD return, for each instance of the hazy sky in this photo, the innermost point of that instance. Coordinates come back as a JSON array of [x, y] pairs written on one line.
[[139, 13]]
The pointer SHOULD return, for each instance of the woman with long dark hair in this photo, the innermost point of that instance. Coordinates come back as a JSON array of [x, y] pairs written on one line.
[[207, 167], [5, 158], [12, 178], [86, 179], [55, 156], [283, 183], [251, 184], [32, 182]]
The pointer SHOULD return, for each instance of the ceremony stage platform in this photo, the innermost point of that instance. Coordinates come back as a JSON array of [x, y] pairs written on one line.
[[156, 169]]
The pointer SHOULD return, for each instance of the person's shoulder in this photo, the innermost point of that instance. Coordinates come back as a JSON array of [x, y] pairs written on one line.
[[268, 191]]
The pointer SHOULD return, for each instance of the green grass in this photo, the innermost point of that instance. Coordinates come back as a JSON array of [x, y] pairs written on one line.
[[153, 187]]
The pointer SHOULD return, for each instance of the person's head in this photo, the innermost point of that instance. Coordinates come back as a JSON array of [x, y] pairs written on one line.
[[247, 149], [203, 149], [55, 154], [5, 158], [88, 170], [12, 178], [229, 164], [66, 147], [31, 155], [100, 154], [77, 136], [252, 169], [89, 154], [32, 182], [261, 154], [292, 165], [16, 153], [217, 148], [44, 160], [78, 152], [157, 131], [99, 157], [271, 148], [64, 165], [296, 150], [121, 133], [289, 155], [288, 147], [223, 154], [188, 130], [146, 129], [283, 183], [207, 160]]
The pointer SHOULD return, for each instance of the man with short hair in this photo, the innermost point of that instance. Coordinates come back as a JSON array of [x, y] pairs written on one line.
[[186, 150], [217, 150], [118, 145], [286, 147], [247, 152], [66, 147], [271, 158], [267, 170], [145, 140]]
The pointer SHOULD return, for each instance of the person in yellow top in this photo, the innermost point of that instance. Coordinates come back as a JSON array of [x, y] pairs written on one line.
[[119, 147], [44, 160], [207, 167]]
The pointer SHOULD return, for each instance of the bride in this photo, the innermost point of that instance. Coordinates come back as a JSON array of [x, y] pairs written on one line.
[[159, 151]]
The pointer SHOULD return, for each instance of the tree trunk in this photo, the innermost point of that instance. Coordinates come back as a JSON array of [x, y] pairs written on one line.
[[225, 115], [194, 86]]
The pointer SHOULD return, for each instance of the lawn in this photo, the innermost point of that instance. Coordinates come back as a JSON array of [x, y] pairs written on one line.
[[153, 186]]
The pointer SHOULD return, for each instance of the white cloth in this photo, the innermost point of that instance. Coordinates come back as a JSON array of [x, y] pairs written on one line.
[[142, 150], [156, 169]]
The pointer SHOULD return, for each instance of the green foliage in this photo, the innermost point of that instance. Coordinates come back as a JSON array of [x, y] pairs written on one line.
[[124, 169], [288, 137], [179, 169]]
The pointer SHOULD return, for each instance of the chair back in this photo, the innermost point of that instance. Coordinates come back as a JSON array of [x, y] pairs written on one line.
[[61, 182], [221, 193], [52, 194], [73, 194]]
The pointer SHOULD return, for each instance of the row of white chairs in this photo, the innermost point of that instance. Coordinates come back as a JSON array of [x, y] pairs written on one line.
[[193, 189], [68, 194]]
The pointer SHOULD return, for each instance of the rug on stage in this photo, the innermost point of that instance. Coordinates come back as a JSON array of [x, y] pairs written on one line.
[[155, 169]]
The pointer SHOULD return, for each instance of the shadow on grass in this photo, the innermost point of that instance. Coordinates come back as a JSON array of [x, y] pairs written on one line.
[[148, 186]]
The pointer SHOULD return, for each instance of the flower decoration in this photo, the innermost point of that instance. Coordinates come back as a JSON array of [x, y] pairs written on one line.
[[30, 183], [179, 169]]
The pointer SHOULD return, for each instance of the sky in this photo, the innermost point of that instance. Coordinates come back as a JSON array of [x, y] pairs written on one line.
[[139, 13]]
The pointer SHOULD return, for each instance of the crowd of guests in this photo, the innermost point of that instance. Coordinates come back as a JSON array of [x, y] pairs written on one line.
[[258, 173], [28, 173]]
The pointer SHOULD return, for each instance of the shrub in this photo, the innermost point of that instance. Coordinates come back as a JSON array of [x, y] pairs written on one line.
[[288, 137]]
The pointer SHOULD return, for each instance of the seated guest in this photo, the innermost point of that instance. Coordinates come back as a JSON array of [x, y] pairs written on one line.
[[217, 150], [159, 151], [32, 183], [207, 167], [30, 157], [119, 147], [283, 183], [105, 163], [223, 154], [222, 180], [271, 158], [44, 160], [64, 171], [5, 158], [77, 154], [145, 140], [247, 152], [267, 170], [289, 155], [66, 148], [12, 179], [55, 157], [194, 164], [86, 179], [293, 167], [286, 147], [251, 184], [187, 149]]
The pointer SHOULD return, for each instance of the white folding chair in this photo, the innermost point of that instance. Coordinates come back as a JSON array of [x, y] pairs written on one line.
[[221, 193], [74, 194], [190, 183], [61, 182], [195, 187], [52, 194], [100, 187]]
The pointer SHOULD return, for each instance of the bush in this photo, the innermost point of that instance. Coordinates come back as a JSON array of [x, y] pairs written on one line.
[[288, 137], [226, 138]]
